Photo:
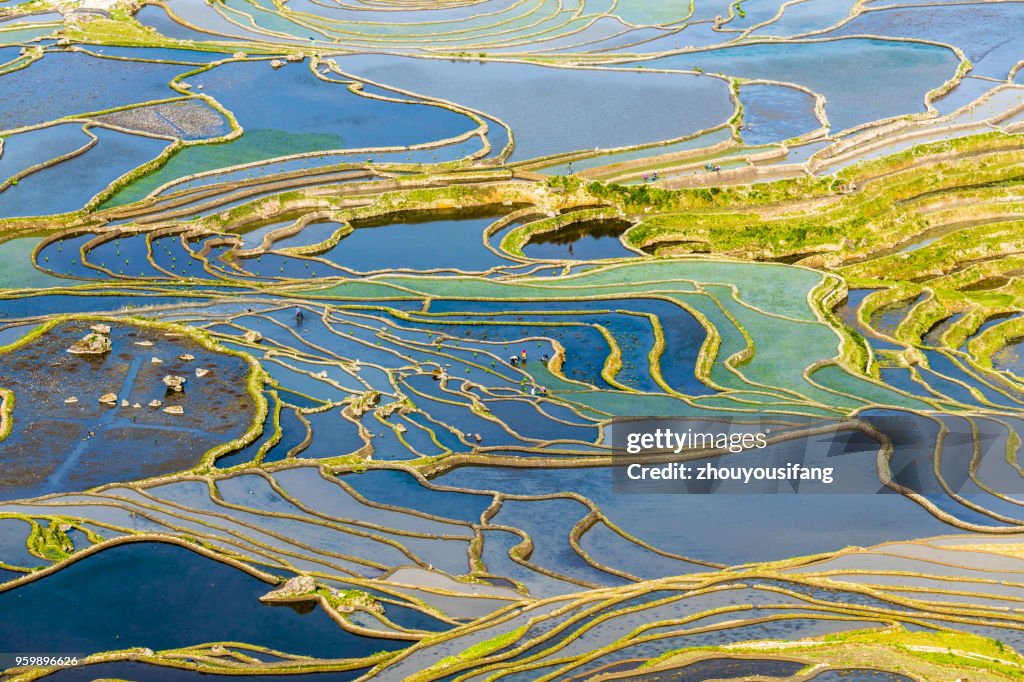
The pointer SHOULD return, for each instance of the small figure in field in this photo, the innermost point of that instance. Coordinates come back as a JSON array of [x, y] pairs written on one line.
[[522, 356], [298, 313], [513, 361], [544, 358], [645, 177], [571, 170]]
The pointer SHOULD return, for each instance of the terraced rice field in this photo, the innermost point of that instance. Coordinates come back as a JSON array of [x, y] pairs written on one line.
[[321, 321]]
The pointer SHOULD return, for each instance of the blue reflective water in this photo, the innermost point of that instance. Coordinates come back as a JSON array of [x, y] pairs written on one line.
[[418, 243], [695, 522], [161, 53], [65, 83], [862, 79], [970, 27], [22, 150], [587, 240], [305, 114], [81, 177], [157, 17], [107, 602], [559, 110], [772, 113]]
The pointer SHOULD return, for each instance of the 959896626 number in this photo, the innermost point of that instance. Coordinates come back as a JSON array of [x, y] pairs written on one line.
[[42, 660]]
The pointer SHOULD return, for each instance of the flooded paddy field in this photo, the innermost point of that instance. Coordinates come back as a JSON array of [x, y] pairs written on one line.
[[172, 575], [322, 323], [80, 410]]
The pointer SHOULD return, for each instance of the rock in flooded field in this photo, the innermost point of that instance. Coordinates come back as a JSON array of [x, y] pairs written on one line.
[[174, 383], [174, 409], [293, 587], [91, 344], [109, 399]]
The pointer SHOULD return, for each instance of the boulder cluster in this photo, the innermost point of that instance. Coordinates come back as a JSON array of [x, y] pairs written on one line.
[[97, 342]]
